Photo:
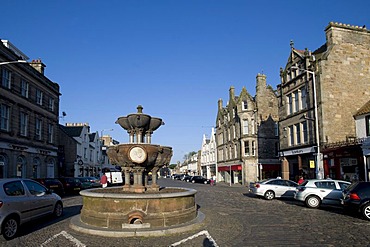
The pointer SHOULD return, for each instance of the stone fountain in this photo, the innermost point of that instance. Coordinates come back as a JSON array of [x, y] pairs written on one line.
[[139, 156], [138, 209]]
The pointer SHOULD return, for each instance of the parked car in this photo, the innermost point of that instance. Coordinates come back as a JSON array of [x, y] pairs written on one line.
[[95, 182], [315, 192], [71, 185], [200, 180], [89, 182], [85, 183], [188, 178], [356, 198], [272, 188], [185, 177], [23, 200], [53, 184]]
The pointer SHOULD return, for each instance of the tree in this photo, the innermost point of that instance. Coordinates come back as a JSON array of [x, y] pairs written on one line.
[[172, 166]]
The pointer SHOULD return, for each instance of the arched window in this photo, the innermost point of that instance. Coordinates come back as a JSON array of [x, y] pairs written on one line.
[[36, 168], [50, 168], [21, 167], [3, 165]]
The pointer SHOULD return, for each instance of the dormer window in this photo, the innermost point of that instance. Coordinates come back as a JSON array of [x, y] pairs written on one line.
[[245, 105]]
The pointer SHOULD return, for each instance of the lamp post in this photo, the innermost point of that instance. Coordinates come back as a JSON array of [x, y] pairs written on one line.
[[102, 131], [103, 147], [17, 61], [318, 167]]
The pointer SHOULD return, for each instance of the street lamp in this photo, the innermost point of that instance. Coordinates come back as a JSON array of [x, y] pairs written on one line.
[[17, 61], [103, 146], [102, 131], [318, 167]]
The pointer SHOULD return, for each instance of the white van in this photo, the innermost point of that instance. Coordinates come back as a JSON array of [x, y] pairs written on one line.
[[114, 174]]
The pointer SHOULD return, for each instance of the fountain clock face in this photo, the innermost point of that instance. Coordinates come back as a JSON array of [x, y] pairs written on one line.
[[137, 154]]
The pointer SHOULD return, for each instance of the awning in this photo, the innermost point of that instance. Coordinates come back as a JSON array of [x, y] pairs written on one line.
[[227, 168]]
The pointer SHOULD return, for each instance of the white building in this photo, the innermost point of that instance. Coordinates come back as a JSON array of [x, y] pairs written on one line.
[[362, 118], [208, 161], [82, 150]]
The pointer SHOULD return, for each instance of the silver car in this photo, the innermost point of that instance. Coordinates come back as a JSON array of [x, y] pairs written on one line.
[[23, 200], [271, 188], [315, 192]]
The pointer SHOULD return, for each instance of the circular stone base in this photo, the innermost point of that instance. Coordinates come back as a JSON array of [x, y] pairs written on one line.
[[113, 209], [77, 225]]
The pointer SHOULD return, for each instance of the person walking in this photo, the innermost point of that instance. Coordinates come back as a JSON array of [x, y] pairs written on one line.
[[300, 180], [104, 180], [213, 180]]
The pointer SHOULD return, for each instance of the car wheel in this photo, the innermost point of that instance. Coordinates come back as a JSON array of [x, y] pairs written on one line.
[[269, 195], [10, 228], [366, 211], [313, 201], [58, 209]]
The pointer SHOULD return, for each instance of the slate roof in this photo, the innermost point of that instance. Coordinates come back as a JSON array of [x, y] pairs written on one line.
[[73, 131], [365, 109], [92, 137]]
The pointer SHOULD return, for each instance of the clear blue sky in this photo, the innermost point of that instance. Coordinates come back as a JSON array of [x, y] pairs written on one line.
[[176, 57]]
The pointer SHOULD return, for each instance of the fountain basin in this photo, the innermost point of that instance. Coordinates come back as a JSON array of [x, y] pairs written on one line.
[[113, 209]]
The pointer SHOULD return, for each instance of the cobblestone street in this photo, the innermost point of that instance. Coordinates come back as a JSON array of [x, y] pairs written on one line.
[[235, 218], [232, 218]]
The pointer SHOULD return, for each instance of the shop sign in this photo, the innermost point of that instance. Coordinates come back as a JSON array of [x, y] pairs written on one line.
[[297, 151]]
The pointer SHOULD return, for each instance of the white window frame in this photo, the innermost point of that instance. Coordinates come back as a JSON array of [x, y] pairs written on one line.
[[4, 117], [246, 148], [23, 124], [50, 133], [253, 148], [51, 104], [39, 96], [38, 129], [24, 88], [6, 80], [245, 127], [245, 105]]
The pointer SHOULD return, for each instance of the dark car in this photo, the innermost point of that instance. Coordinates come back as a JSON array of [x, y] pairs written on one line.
[[53, 184], [356, 198], [89, 182], [71, 185], [200, 180]]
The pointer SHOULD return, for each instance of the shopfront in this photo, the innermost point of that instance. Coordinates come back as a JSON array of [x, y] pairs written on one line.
[[230, 173], [298, 162], [344, 162]]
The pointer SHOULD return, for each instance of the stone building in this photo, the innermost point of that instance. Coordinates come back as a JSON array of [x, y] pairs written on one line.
[[80, 151], [246, 135], [208, 160], [338, 73], [29, 116]]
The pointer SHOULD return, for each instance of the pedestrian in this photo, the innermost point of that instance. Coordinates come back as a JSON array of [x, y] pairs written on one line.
[[104, 180], [213, 180], [300, 180]]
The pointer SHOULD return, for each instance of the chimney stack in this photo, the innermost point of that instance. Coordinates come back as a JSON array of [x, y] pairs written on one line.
[[38, 65]]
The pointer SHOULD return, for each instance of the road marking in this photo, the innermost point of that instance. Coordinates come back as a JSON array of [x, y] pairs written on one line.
[[67, 236], [205, 232]]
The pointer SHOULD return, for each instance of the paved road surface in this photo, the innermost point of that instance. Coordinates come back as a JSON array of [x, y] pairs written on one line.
[[233, 218]]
